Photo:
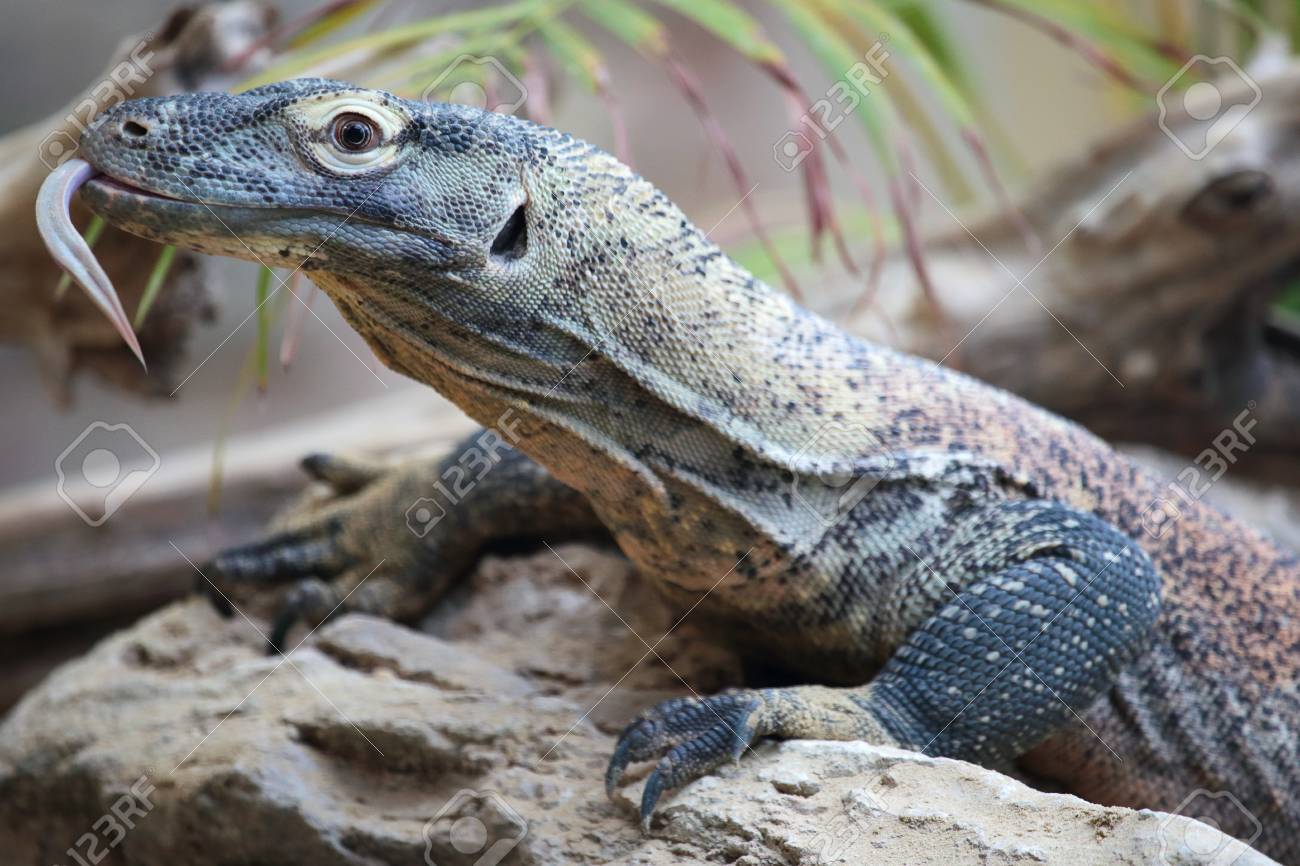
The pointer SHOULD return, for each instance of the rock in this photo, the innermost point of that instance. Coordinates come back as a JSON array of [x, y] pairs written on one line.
[[483, 739]]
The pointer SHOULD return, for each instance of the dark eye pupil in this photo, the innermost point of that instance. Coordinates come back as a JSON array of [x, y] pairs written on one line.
[[354, 134]]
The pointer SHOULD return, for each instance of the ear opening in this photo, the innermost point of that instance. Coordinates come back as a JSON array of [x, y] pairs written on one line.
[[512, 241]]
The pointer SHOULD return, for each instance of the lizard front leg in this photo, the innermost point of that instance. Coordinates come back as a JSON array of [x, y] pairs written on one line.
[[389, 541], [1045, 606]]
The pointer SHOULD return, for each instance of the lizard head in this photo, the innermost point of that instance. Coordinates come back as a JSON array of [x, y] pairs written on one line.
[[431, 225], [316, 172]]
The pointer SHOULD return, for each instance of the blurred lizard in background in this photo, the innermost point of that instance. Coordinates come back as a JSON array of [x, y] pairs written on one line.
[[981, 587]]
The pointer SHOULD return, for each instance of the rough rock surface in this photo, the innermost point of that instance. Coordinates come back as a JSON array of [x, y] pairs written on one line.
[[483, 739]]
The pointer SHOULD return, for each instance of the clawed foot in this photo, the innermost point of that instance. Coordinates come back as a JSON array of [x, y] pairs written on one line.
[[389, 540], [690, 736], [342, 552]]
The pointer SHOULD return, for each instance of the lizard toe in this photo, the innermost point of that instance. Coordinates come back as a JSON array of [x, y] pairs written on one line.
[[658, 728], [691, 735], [311, 600], [283, 558]]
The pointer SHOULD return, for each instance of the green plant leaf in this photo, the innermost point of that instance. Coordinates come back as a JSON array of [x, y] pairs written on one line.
[[875, 18], [877, 22], [574, 52], [733, 25], [504, 44], [1116, 46], [406, 35], [263, 363], [837, 58], [155, 283], [640, 30], [332, 22], [920, 20]]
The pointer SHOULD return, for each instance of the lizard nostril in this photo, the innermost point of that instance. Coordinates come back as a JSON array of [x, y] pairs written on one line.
[[134, 128]]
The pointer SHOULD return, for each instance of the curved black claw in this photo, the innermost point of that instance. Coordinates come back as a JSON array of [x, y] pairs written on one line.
[[285, 618], [310, 600], [692, 736], [204, 587], [281, 557]]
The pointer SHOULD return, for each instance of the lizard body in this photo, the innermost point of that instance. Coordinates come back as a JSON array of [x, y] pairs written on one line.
[[980, 587]]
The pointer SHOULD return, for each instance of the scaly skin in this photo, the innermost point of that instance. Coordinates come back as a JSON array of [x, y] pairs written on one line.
[[995, 572]]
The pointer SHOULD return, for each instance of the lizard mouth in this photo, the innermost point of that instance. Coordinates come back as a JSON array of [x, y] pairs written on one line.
[[261, 232], [267, 232], [246, 230], [110, 187], [128, 205], [211, 226], [144, 212]]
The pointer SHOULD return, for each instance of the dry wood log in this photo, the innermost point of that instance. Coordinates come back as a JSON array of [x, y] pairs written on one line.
[[1147, 315], [189, 51]]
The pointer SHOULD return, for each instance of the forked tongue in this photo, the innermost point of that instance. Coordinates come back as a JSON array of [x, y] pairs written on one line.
[[69, 248]]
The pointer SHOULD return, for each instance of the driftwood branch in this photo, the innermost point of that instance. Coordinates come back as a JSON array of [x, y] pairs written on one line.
[[65, 330], [1150, 317]]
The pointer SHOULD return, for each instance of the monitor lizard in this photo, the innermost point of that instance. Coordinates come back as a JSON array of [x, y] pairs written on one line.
[[942, 566]]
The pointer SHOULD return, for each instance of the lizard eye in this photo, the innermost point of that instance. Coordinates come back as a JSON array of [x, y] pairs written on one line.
[[355, 133], [350, 136]]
